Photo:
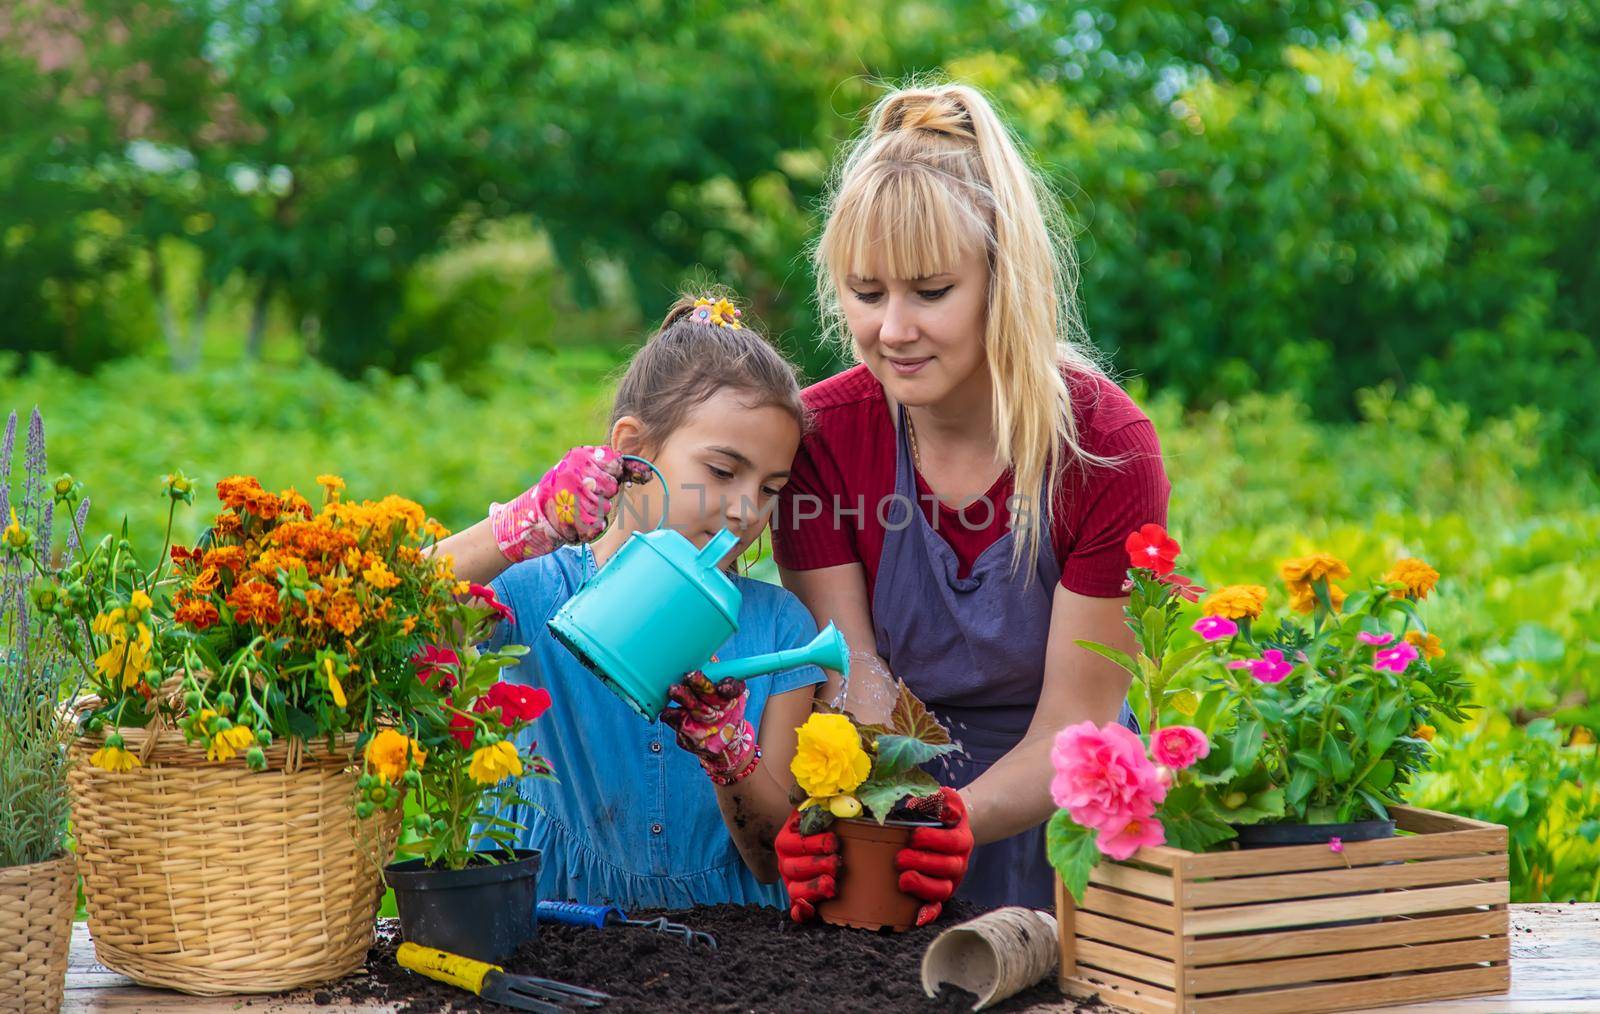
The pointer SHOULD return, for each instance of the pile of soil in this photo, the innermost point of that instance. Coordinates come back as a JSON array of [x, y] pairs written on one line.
[[764, 962]]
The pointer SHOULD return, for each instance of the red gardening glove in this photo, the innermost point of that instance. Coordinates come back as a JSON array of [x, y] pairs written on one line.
[[569, 505], [710, 724], [809, 866], [935, 860]]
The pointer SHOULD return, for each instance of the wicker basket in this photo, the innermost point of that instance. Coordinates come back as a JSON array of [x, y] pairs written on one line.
[[36, 906], [211, 879]]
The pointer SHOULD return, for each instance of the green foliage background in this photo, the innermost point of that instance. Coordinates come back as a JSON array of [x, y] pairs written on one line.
[[1347, 250]]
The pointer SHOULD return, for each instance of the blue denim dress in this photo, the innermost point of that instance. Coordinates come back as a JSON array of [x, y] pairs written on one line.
[[633, 820]]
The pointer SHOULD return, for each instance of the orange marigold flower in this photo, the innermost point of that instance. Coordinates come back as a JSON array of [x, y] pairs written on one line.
[[380, 576], [238, 490], [1236, 602], [207, 581], [264, 505], [294, 503], [1417, 578], [1316, 567], [331, 484], [343, 613], [228, 523], [407, 625], [1303, 598], [231, 557], [1427, 645], [434, 530], [198, 613], [255, 601], [183, 557], [407, 554]]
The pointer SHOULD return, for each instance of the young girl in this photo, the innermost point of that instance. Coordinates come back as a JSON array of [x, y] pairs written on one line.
[[633, 820]]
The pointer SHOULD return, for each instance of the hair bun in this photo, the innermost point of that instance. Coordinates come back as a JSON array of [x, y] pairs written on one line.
[[936, 111]]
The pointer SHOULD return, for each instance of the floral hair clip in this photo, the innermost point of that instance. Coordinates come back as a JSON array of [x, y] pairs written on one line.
[[721, 313]]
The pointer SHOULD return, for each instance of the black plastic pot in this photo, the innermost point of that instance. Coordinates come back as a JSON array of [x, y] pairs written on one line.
[[483, 911], [1267, 836]]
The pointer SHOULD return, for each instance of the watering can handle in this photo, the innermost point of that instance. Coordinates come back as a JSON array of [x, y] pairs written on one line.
[[666, 494]]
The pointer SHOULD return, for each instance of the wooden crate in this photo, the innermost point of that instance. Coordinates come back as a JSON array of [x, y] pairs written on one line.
[[1271, 930]]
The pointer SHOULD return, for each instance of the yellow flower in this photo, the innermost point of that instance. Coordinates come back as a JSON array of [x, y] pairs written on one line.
[[1417, 577], [123, 660], [1316, 567], [566, 505], [114, 759], [1581, 736], [1303, 598], [495, 762], [1236, 602], [333, 682], [829, 759], [331, 485], [386, 754], [141, 600], [1425, 732], [16, 536], [1426, 644], [380, 576], [229, 742]]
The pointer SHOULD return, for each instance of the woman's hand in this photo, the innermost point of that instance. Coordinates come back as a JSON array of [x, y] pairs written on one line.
[[934, 861], [571, 504], [710, 724]]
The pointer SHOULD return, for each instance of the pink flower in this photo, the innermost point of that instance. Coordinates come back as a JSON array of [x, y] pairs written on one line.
[[485, 594], [1215, 628], [1122, 839], [433, 661], [1151, 548], [1335, 844], [1269, 668], [1183, 586], [1103, 777], [1178, 746], [1397, 658], [1376, 640]]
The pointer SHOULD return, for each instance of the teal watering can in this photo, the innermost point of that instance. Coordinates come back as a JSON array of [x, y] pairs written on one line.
[[659, 609]]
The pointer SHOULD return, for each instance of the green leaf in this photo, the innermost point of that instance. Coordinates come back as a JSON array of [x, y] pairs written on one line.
[[1072, 851], [902, 753], [1337, 754], [1246, 743], [879, 795], [1381, 776], [1121, 658], [1374, 802], [1190, 821], [1300, 785], [910, 718], [1262, 806], [1179, 660]]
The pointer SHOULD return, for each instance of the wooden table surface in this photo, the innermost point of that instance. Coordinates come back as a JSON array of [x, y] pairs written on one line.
[[1555, 968]]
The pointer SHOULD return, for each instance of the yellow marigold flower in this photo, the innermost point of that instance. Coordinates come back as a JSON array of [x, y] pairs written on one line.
[[229, 742], [386, 754], [331, 484], [829, 759], [435, 530], [1236, 602], [494, 763], [1417, 577], [380, 576], [333, 682], [1425, 732], [407, 625], [114, 759], [1303, 598], [1316, 567], [343, 613], [1427, 645]]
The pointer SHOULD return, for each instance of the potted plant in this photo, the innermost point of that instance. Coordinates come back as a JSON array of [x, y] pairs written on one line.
[[1304, 731], [462, 756], [38, 878], [844, 768], [236, 685]]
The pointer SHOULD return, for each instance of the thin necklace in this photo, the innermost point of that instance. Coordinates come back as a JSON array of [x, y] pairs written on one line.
[[911, 432]]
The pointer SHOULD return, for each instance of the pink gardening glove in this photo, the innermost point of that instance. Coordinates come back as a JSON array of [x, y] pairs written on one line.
[[571, 504], [710, 724]]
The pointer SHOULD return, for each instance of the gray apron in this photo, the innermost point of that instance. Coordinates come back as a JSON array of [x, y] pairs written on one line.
[[973, 650]]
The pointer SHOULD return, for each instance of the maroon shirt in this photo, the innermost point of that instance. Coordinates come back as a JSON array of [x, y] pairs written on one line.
[[848, 459]]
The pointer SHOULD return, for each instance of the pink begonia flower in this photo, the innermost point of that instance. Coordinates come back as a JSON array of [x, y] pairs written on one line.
[[1269, 668], [1335, 844], [1376, 640], [1397, 658], [1122, 840], [1103, 777], [1178, 746], [1215, 628]]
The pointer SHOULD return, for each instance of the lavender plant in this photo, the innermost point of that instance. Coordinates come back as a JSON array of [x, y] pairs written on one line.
[[38, 672]]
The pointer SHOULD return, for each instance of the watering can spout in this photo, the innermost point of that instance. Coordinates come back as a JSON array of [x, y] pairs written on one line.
[[828, 650]]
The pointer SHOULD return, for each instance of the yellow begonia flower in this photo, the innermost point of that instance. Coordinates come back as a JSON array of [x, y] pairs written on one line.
[[1417, 577], [386, 754], [114, 759], [1236, 602], [829, 759], [494, 763]]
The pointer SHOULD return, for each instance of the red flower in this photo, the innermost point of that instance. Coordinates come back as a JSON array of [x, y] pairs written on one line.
[[1151, 548], [464, 730], [485, 594], [433, 660], [182, 556], [1185, 587], [517, 703]]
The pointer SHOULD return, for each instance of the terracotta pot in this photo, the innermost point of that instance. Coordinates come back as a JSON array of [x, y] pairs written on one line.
[[868, 892]]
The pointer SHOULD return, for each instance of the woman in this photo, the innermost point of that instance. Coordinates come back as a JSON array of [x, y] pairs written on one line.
[[964, 494]]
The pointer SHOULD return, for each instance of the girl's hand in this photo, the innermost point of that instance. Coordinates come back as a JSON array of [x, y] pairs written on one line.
[[934, 861], [809, 866], [571, 504], [710, 724]]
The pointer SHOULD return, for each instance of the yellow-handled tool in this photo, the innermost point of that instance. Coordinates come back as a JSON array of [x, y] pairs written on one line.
[[525, 992]]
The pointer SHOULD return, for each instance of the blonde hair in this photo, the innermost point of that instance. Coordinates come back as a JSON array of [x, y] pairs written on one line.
[[935, 175]]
